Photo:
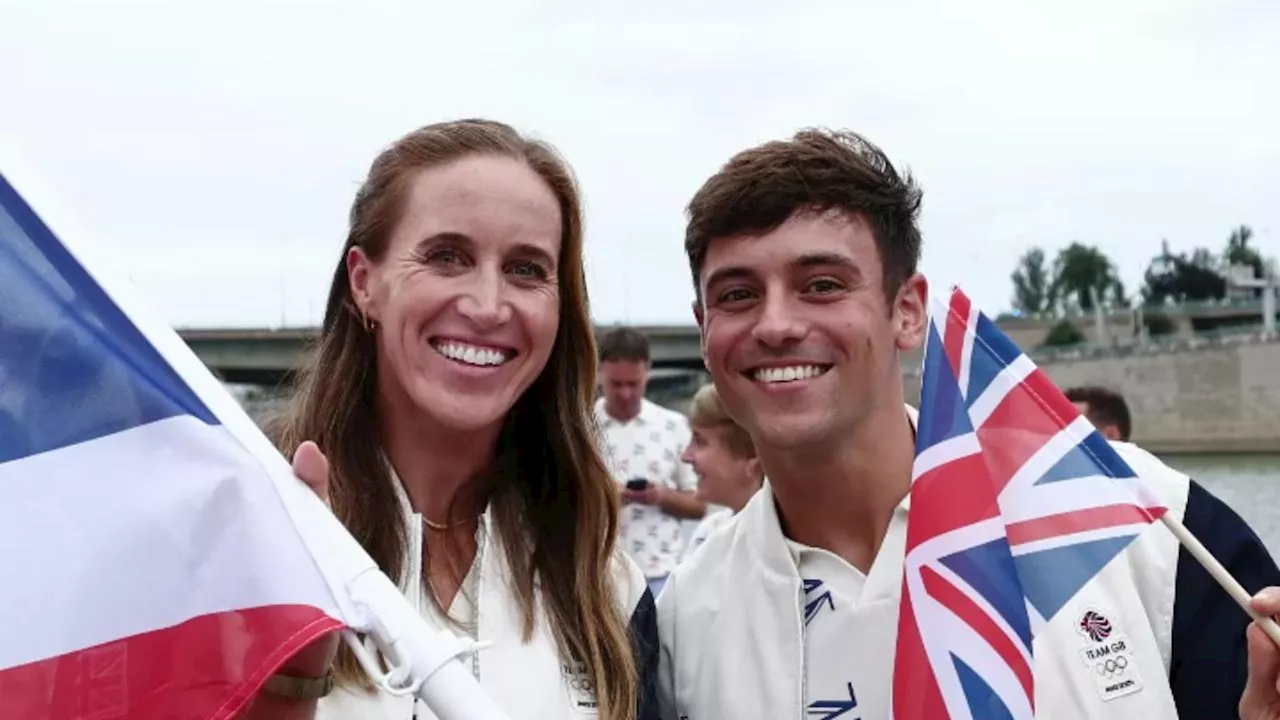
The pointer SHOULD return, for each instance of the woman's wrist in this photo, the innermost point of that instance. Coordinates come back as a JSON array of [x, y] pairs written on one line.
[[314, 661]]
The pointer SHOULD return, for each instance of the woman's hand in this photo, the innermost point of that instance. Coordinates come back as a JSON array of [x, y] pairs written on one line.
[[314, 660], [312, 468]]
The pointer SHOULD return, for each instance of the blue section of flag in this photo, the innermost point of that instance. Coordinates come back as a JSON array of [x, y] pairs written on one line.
[[1051, 577], [72, 367], [992, 353], [983, 702], [1107, 458], [994, 342], [942, 412], [1087, 459], [989, 569]]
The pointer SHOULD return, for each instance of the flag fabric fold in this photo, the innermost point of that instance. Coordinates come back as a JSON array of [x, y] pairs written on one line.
[[150, 568], [1016, 503]]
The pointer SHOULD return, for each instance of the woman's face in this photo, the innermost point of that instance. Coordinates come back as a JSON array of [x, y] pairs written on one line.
[[466, 298], [721, 473]]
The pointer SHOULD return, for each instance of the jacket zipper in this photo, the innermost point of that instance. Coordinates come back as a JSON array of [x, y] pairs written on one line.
[[804, 655]]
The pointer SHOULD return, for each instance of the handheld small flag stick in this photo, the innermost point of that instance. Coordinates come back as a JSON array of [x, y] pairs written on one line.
[[1011, 478], [1219, 573], [1213, 567]]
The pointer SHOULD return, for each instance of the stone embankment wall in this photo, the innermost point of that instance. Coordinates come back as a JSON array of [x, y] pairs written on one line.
[[1192, 396]]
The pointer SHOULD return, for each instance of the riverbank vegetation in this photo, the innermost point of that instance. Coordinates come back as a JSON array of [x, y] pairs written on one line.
[[1080, 277]]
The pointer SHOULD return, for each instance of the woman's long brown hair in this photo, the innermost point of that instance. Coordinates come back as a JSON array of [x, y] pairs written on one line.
[[553, 500]]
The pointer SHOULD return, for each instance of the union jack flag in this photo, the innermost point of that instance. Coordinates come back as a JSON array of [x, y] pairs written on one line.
[[1016, 502]]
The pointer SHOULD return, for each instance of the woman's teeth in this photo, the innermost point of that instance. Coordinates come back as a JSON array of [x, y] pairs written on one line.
[[470, 354]]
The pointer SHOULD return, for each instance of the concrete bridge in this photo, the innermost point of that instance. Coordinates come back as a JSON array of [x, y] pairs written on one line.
[[1202, 392], [268, 357]]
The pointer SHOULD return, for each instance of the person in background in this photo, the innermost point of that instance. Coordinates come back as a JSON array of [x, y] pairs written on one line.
[[1209, 662], [642, 443], [450, 393], [804, 256], [724, 459], [1106, 409]]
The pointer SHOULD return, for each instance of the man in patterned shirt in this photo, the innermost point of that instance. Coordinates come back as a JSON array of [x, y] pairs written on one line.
[[642, 443]]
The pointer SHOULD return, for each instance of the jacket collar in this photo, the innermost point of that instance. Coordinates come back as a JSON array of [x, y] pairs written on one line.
[[763, 529], [506, 659], [649, 413]]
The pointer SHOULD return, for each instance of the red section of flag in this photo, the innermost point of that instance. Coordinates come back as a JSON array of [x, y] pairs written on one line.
[[916, 695], [220, 661], [1019, 427], [1095, 518], [957, 321], [961, 486], [975, 617]]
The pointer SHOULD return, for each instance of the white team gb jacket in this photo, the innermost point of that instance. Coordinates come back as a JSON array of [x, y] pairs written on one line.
[[528, 681], [731, 625]]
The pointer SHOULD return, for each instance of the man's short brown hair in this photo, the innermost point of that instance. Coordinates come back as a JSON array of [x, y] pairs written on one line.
[[1105, 407], [815, 171], [624, 343]]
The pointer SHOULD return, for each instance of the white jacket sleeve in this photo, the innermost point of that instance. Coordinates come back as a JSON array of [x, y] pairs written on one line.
[[668, 708]]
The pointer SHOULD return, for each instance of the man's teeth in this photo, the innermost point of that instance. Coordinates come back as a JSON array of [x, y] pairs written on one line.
[[787, 374], [471, 355]]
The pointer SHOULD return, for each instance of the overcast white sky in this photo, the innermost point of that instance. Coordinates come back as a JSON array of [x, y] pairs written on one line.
[[214, 146]]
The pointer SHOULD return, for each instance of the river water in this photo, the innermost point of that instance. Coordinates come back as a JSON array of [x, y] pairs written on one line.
[[1250, 484]]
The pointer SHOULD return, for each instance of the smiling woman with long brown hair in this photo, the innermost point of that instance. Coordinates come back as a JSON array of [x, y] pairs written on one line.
[[450, 392]]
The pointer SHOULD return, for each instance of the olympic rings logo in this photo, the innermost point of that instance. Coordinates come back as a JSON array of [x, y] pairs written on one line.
[[1112, 667], [581, 685]]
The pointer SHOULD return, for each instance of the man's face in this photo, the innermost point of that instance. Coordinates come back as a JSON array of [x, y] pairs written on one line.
[[1108, 430], [623, 383], [796, 331]]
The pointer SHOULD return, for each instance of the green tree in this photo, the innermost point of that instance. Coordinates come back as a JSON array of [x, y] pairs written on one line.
[[1203, 259], [1182, 278], [1062, 334], [1119, 298], [1082, 272], [1032, 284], [1158, 324], [1239, 252]]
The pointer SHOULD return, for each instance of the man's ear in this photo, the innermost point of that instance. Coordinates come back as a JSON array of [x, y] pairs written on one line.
[[358, 265], [911, 313], [702, 336]]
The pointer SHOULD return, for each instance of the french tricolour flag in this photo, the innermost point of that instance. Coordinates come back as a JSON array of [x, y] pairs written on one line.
[[152, 556]]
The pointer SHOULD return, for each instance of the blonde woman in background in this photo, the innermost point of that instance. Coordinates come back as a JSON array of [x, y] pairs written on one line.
[[724, 459]]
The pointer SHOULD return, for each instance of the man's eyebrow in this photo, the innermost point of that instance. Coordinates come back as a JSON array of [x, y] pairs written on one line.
[[732, 272], [810, 260], [818, 259]]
